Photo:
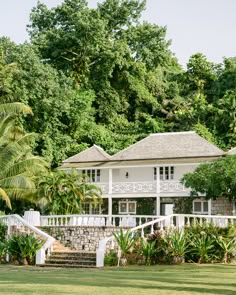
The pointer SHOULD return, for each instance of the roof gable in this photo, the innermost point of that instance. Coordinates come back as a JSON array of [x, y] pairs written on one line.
[[169, 145], [92, 154]]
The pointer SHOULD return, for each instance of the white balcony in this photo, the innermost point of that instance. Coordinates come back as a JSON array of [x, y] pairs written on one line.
[[143, 187]]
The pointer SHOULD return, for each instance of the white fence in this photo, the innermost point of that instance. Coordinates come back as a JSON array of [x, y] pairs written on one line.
[[95, 220]]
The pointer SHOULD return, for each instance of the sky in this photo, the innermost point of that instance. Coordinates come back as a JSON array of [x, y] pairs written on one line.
[[206, 26]]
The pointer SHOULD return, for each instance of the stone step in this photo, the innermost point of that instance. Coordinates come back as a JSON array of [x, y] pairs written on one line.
[[66, 265], [75, 258], [74, 253], [68, 261], [71, 259]]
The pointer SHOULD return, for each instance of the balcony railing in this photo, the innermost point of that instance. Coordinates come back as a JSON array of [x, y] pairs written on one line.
[[143, 187]]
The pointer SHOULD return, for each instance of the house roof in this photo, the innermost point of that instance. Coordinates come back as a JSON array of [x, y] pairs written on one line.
[[92, 154], [169, 145], [232, 151], [158, 146]]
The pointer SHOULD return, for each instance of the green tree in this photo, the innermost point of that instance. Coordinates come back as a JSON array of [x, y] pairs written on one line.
[[64, 193], [215, 179], [107, 50]]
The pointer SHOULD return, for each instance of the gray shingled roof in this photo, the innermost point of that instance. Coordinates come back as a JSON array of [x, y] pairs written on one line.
[[92, 154], [169, 145], [232, 151]]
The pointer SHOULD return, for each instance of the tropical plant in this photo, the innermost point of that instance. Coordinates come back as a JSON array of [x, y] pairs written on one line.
[[19, 166], [148, 250], [3, 250], [227, 245], [23, 248], [203, 246], [3, 230], [111, 259], [63, 193], [176, 245], [125, 240]]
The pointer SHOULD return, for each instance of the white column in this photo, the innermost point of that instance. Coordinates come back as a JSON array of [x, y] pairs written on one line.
[[209, 207], [158, 190], [158, 186], [110, 197], [110, 182], [158, 205]]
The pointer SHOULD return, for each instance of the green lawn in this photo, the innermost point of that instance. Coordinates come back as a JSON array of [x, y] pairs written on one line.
[[161, 280]]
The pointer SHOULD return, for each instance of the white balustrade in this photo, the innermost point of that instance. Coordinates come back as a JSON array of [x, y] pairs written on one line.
[[74, 220], [143, 187], [172, 187]]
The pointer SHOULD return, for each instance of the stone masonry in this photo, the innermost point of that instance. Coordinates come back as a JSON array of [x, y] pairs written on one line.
[[80, 238], [221, 206]]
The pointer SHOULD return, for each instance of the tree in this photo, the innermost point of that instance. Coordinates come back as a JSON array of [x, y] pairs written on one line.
[[108, 51], [215, 179], [18, 166], [64, 193]]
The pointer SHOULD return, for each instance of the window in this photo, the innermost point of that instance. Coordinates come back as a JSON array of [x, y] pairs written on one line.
[[92, 175], [166, 173], [91, 208], [200, 206], [127, 207]]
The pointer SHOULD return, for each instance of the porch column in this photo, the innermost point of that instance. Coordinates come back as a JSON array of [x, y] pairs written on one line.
[[209, 207], [110, 197], [158, 185], [158, 205], [158, 190]]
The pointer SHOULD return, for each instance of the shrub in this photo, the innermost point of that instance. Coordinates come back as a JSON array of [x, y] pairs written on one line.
[[111, 259], [3, 231], [125, 241], [176, 245], [23, 248]]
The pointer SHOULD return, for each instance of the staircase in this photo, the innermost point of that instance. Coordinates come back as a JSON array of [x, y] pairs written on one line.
[[65, 257]]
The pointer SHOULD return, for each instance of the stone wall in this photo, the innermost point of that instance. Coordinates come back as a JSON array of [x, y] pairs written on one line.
[[221, 206], [81, 237]]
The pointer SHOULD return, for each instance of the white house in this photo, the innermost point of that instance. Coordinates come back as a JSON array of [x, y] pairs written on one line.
[[144, 179]]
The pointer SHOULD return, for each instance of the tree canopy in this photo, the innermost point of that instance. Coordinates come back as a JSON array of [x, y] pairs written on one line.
[[102, 75], [215, 179]]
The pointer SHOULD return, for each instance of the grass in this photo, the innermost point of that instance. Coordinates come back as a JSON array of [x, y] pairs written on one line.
[[133, 280]]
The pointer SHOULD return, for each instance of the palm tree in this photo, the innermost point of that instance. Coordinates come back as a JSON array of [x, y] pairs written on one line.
[[19, 166], [63, 193]]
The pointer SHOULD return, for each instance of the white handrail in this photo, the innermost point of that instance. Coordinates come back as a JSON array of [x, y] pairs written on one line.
[[15, 220], [181, 221]]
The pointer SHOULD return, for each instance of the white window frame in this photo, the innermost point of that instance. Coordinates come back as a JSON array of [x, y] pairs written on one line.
[[167, 173], [127, 212], [92, 175], [201, 201], [91, 208]]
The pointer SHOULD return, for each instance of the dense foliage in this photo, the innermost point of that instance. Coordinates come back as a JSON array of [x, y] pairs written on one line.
[[216, 179], [103, 76], [199, 243]]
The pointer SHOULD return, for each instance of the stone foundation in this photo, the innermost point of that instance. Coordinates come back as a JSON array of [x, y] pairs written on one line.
[[221, 206], [84, 238]]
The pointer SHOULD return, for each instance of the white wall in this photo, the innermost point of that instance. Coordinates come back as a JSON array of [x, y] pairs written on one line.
[[141, 174]]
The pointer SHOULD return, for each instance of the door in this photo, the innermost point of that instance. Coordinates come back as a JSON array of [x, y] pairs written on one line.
[[167, 209]]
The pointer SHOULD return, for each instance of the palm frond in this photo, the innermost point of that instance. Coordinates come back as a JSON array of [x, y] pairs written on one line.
[[15, 108], [5, 197]]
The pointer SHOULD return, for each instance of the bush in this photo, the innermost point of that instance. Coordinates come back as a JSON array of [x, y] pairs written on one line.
[[23, 248], [3, 231], [111, 259]]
